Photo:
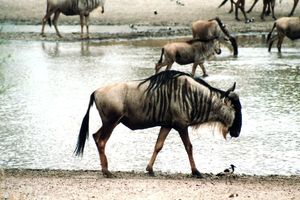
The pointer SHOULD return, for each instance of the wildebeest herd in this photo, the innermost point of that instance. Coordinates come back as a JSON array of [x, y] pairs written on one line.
[[268, 7], [169, 99]]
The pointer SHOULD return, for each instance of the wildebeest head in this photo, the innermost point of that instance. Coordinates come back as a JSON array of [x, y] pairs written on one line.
[[236, 126]]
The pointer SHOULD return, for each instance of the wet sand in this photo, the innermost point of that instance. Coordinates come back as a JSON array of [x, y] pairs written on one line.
[[62, 184]]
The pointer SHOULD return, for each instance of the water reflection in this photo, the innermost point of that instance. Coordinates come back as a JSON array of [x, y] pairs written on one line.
[[41, 113], [53, 49]]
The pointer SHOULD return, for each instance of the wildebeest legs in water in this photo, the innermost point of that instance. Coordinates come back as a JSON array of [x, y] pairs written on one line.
[[70, 7], [285, 26]]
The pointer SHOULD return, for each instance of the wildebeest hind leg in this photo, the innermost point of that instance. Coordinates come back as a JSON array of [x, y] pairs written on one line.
[[81, 25], [184, 134], [163, 133], [101, 137], [279, 42], [44, 21]]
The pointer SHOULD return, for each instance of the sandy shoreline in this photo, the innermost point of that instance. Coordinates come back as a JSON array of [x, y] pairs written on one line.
[[65, 184], [138, 13]]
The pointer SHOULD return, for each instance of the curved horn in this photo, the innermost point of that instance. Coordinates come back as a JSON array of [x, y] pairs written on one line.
[[229, 90]]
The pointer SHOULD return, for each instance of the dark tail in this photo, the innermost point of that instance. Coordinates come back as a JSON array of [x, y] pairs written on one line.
[[161, 56], [222, 4], [231, 39], [269, 35], [84, 129]]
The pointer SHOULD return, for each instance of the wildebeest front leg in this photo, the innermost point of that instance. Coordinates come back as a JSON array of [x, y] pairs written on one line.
[[194, 69], [163, 133], [87, 19], [203, 69], [81, 25], [184, 134], [55, 18]]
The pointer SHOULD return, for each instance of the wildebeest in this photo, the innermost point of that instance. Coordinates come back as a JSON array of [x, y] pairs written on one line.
[[205, 29], [239, 4], [285, 26], [193, 51], [171, 100], [266, 3], [70, 7]]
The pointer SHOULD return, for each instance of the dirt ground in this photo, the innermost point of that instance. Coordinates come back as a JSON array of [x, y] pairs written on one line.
[[52, 184], [58, 184]]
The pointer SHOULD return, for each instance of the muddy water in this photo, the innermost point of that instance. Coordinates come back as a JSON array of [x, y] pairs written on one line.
[[45, 88]]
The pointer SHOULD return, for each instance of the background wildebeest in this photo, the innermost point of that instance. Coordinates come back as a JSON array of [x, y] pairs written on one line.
[[285, 26], [193, 51], [239, 4], [268, 8], [70, 7], [169, 99], [214, 28]]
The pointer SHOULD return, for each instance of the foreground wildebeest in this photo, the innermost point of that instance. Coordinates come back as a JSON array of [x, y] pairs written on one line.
[[70, 7], [267, 4], [169, 99], [205, 29], [239, 4], [193, 51], [285, 26]]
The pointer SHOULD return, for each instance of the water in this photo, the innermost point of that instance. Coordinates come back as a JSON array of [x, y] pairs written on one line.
[[45, 88]]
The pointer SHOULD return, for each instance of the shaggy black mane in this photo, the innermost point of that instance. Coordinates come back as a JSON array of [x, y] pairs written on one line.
[[164, 77]]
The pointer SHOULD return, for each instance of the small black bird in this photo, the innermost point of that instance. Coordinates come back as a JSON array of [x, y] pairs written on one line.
[[230, 170], [228, 173]]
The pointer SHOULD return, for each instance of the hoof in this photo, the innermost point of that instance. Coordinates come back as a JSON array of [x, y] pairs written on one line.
[[205, 75], [108, 174], [197, 174], [150, 171], [43, 35], [151, 174]]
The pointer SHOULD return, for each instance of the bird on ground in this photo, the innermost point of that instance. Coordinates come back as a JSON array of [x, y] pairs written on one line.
[[228, 173]]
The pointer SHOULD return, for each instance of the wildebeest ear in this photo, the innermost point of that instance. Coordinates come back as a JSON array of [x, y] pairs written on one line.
[[229, 90]]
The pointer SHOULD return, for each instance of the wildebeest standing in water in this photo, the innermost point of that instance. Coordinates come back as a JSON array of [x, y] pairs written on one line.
[[70, 7], [214, 28], [169, 99], [285, 26], [193, 51]]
